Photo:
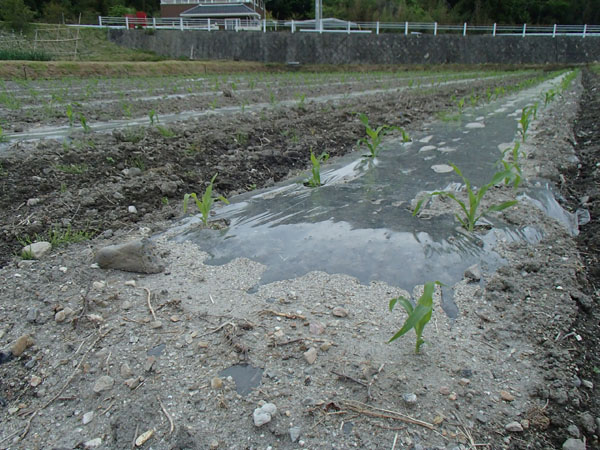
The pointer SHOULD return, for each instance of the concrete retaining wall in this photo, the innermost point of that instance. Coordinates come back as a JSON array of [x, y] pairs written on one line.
[[333, 48]]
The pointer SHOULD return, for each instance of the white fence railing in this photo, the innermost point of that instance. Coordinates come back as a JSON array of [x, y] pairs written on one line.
[[340, 26]]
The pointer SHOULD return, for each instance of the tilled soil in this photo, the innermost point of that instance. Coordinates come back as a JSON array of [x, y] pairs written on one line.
[[114, 355]]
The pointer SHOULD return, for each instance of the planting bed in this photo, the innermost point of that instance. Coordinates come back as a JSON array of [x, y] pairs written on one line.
[[516, 369]]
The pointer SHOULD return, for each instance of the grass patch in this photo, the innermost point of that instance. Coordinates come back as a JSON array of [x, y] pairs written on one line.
[[72, 169], [58, 236], [24, 55]]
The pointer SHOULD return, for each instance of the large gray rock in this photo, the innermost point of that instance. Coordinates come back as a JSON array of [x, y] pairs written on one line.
[[36, 250], [136, 256], [573, 444]]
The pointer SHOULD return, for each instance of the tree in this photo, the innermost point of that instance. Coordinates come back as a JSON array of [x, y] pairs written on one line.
[[291, 9], [16, 14]]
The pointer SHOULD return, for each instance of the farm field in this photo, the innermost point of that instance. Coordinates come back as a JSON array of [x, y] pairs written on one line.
[[85, 163]]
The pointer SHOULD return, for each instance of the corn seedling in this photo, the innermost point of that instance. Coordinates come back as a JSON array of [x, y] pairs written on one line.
[[83, 122], [301, 98], [70, 115], [405, 136], [525, 120], [461, 105], [471, 210], [206, 202], [549, 97], [153, 117], [418, 316], [512, 167], [3, 137], [316, 161], [374, 136]]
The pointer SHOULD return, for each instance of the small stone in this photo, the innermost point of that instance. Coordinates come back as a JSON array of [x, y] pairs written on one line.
[[202, 344], [325, 346], [35, 381], [21, 344], [506, 396], [574, 431], [338, 311], [156, 324], [310, 355], [279, 334], [214, 444], [473, 273], [452, 396], [525, 424], [481, 417], [87, 417], [464, 381], [264, 414], [33, 315], [125, 371], [36, 250], [33, 201], [295, 433], [174, 318], [103, 383], [444, 390], [142, 438], [586, 420], [98, 285], [409, 398], [216, 383], [514, 427], [587, 384], [93, 443], [573, 444], [13, 410], [130, 283], [132, 209], [60, 316], [316, 328], [132, 383], [149, 364]]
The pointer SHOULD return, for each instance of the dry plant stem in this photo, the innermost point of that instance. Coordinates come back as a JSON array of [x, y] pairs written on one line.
[[150, 304], [395, 440], [383, 413], [59, 393], [280, 314], [348, 377], [164, 410], [135, 435]]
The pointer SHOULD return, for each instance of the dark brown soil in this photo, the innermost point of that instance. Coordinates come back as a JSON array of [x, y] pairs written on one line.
[[49, 185], [582, 190]]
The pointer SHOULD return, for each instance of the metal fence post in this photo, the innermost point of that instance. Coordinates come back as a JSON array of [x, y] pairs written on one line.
[[405, 28], [100, 21], [524, 29], [209, 26], [465, 29], [554, 31], [435, 29], [377, 28], [154, 23], [293, 26], [348, 27], [181, 23], [127, 22], [494, 31], [584, 30], [264, 25]]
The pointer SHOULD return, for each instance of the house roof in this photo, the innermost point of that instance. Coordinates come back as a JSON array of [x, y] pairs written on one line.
[[220, 10]]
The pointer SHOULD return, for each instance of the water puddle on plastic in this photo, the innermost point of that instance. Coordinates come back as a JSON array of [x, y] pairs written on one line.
[[359, 223]]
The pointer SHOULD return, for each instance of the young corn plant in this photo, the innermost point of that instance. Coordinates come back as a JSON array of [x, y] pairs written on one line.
[[418, 316], [70, 115], [472, 208], [153, 117], [374, 136], [83, 122], [525, 120], [512, 167], [316, 161], [205, 203]]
